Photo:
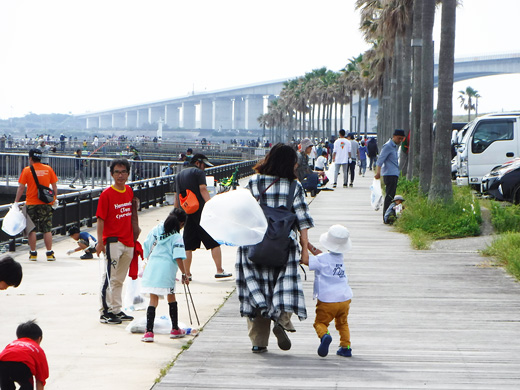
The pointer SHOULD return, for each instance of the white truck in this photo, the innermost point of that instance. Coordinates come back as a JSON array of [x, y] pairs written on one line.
[[484, 143]]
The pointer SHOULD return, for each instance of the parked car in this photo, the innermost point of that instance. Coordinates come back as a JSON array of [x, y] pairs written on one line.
[[503, 182]]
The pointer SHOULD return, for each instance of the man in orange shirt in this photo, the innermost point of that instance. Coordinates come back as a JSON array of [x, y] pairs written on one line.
[[39, 212]]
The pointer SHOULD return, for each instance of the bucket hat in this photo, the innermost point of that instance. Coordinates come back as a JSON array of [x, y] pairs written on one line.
[[337, 239]]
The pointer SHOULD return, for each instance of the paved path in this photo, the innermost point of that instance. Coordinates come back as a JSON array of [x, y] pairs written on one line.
[[438, 319]]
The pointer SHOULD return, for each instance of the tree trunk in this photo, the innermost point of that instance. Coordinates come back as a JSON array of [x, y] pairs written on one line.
[[360, 108], [427, 97], [441, 188], [415, 145], [366, 114]]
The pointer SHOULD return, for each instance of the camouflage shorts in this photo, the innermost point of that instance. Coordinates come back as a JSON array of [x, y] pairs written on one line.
[[41, 215]]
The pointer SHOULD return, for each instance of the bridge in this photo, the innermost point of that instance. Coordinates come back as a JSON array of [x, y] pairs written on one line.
[[239, 107]]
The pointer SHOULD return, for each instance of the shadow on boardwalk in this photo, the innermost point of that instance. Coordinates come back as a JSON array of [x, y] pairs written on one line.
[[439, 319]]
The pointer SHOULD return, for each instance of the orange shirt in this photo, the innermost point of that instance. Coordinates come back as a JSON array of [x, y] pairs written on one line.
[[46, 177]]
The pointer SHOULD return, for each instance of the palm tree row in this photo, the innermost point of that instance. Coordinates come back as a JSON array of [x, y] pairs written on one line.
[[397, 70]]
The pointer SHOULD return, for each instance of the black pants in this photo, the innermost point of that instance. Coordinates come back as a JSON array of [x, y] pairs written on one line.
[[391, 187], [352, 171], [11, 372]]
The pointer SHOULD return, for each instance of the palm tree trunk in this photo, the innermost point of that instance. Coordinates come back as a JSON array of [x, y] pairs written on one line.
[[414, 165], [427, 97], [341, 107], [366, 114], [441, 188], [360, 108]]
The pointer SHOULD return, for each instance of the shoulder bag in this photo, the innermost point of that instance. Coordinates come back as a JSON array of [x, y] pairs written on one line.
[[45, 194]]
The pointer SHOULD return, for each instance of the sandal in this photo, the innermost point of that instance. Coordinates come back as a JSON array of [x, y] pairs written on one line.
[[223, 274]]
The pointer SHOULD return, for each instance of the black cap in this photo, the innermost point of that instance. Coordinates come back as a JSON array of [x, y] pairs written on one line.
[[37, 153], [200, 157], [399, 132]]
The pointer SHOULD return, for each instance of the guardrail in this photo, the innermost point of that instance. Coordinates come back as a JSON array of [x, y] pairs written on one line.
[[79, 208]]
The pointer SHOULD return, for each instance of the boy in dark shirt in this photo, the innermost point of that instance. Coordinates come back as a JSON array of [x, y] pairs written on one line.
[[24, 358], [86, 242]]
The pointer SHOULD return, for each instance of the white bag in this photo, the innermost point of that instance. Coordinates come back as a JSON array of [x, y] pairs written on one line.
[[14, 221], [376, 196], [234, 218]]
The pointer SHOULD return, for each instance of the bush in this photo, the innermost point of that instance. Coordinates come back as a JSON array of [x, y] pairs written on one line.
[[460, 218], [505, 218], [505, 250]]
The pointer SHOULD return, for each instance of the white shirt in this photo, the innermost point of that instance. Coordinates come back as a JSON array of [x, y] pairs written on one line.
[[342, 148], [320, 162], [330, 281]]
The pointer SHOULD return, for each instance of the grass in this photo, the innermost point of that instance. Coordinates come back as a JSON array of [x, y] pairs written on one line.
[[505, 217], [425, 221], [506, 250]]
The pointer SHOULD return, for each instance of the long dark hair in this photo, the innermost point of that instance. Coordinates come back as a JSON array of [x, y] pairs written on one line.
[[280, 161], [174, 220]]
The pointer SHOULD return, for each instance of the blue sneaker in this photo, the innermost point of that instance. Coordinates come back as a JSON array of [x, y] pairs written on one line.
[[344, 351], [323, 349]]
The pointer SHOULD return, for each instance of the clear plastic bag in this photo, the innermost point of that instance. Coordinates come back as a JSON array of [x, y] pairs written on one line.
[[234, 218], [376, 195], [14, 222]]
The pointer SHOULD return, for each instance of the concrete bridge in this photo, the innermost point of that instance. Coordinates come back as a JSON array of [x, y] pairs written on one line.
[[239, 107]]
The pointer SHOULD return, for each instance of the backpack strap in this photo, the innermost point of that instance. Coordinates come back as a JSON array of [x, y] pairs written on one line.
[[35, 177], [290, 198]]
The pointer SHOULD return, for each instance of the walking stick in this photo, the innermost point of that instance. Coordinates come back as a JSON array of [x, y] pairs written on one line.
[[194, 310], [187, 303]]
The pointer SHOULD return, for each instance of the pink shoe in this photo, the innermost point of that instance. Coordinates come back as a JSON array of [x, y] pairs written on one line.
[[177, 333], [148, 337]]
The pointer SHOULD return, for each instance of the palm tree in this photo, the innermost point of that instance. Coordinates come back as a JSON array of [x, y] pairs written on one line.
[[440, 188], [466, 100]]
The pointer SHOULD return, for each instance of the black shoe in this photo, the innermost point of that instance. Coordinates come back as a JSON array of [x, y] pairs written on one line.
[[72, 186], [345, 186], [123, 317], [256, 349], [352, 184], [87, 256], [109, 318], [283, 340], [334, 185]]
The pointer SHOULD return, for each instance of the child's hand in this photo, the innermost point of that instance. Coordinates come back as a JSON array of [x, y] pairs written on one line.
[[70, 252], [185, 279]]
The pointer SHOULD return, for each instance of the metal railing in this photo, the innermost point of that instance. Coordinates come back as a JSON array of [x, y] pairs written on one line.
[[79, 208]]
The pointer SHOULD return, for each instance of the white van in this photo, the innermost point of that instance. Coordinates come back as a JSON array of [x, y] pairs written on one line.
[[487, 141]]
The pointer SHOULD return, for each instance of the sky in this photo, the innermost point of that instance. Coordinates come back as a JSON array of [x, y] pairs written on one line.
[[76, 56]]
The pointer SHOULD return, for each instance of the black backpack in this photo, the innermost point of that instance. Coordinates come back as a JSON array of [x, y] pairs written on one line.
[[273, 250]]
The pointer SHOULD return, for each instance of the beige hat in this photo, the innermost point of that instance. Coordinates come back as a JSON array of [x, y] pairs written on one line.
[[337, 239], [306, 142]]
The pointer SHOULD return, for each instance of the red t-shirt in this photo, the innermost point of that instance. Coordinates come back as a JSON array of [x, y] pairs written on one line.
[[30, 353], [115, 208], [46, 177]]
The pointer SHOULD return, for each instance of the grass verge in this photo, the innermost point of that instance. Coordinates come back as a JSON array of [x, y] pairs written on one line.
[[505, 250], [425, 221]]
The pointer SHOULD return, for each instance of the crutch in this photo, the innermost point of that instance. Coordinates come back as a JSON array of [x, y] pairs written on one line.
[[188, 303], [195, 311]]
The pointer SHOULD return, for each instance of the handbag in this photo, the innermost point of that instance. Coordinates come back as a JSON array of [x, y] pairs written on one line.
[[45, 194], [189, 202], [273, 250]]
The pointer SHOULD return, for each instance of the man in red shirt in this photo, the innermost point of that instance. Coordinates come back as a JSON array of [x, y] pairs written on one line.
[[39, 212], [116, 240], [24, 358]]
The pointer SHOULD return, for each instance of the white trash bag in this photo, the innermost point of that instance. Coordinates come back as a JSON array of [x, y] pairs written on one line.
[[376, 195], [234, 218], [14, 221]]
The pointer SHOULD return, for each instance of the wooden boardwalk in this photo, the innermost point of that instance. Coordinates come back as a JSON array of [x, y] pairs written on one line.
[[437, 319]]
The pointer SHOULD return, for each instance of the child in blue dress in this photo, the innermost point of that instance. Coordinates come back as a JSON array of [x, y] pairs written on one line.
[[164, 248]]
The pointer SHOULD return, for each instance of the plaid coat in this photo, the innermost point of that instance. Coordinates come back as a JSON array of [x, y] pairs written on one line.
[[273, 290]]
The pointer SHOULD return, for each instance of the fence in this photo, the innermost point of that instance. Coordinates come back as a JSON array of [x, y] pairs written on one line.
[[79, 208]]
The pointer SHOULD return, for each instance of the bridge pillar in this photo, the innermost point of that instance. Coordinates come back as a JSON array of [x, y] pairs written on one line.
[[105, 121], [131, 119], [237, 119], [222, 113], [171, 116], [253, 109], [206, 113], [155, 114], [142, 117], [188, 115], [118, 120], [92, 122]]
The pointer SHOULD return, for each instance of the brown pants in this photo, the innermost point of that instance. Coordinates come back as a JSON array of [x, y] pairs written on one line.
[[260, 328], [328, 311]]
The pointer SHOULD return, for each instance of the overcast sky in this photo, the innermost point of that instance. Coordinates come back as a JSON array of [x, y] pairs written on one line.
[[61, 56]]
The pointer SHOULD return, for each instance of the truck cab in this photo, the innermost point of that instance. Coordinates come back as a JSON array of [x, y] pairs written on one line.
[[487, 141]]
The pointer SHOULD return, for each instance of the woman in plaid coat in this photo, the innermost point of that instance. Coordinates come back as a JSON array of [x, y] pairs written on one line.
[[269, 294]]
